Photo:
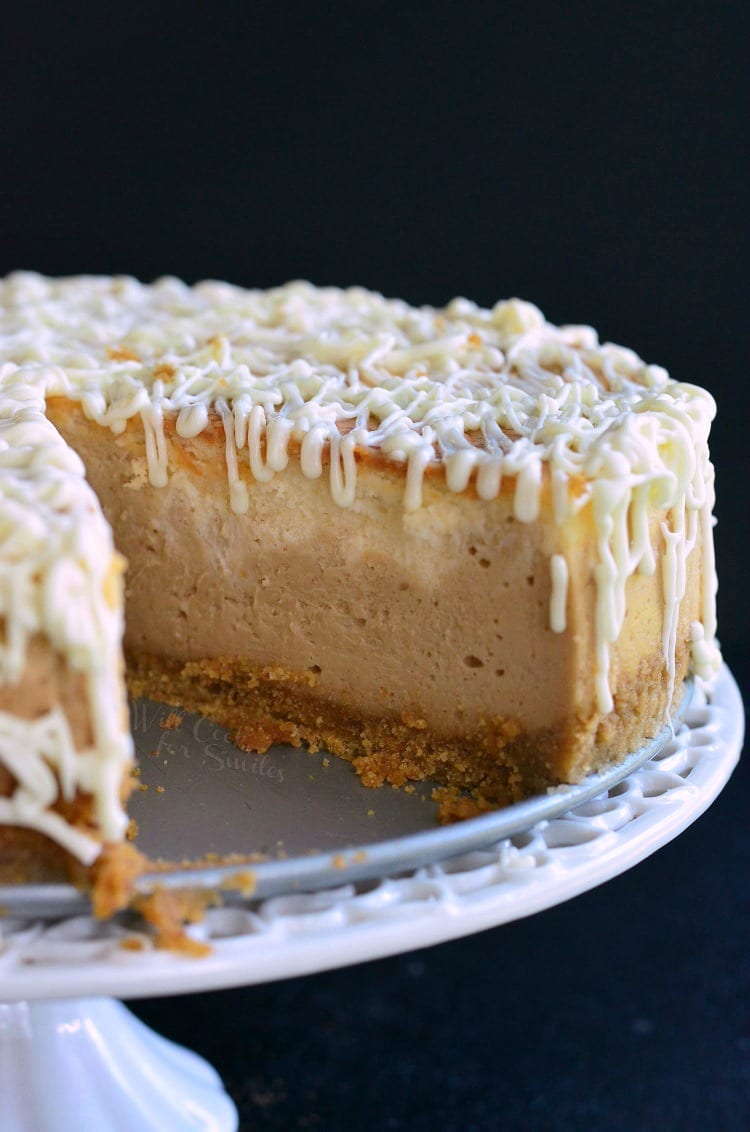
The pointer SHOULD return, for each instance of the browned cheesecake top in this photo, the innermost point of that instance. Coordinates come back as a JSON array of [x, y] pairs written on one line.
[[486, 393]]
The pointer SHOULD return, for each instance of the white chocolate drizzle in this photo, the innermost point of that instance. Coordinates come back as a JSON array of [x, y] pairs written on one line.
[[487, 396], [558, 600]]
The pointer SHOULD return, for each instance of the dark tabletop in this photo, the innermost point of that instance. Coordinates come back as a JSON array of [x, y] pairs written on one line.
[[590, 158]]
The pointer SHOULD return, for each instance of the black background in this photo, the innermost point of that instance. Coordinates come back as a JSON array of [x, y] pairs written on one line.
[[589, 157]]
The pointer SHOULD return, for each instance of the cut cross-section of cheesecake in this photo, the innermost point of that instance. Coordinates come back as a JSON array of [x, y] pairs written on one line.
[[460, 545]]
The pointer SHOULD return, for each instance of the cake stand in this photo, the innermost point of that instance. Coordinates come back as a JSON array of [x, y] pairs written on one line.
[[66, 1039]]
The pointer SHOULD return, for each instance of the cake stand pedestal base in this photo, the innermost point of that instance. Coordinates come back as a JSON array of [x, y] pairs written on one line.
[[94, 1058]]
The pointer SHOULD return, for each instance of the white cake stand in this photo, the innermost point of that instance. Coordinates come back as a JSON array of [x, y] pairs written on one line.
[[73, 1057]]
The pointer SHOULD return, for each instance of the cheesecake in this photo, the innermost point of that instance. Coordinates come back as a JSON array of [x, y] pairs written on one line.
[[457, 545]]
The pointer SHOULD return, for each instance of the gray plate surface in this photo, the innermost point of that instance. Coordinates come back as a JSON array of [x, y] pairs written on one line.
[[305, 821]]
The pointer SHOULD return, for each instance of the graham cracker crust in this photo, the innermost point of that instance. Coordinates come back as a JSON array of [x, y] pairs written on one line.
[[495, 760]]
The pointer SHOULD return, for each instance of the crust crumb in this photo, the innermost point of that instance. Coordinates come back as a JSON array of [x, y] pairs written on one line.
[[171, 722], [168, 911], [455, 806], [114, 874]]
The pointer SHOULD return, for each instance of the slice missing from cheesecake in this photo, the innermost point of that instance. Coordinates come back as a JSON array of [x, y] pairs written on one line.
[[459, 545]]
